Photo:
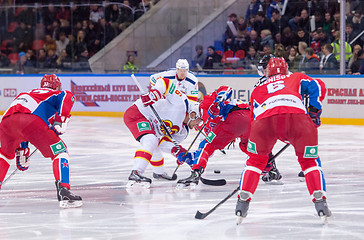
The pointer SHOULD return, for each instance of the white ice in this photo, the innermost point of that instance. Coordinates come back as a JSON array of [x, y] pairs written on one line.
[[102, 151]]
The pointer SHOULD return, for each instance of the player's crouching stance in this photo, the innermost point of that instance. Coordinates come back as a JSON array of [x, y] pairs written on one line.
[[176, 112], [227, 120], [280, 114], [40, 116]]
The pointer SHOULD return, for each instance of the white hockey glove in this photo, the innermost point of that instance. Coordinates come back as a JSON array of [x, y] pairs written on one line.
[[60, 124], [22, 161]]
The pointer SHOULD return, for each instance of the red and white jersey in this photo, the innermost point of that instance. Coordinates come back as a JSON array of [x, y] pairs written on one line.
[[284, 94], [188, 86], [171, 110], [43, 102]]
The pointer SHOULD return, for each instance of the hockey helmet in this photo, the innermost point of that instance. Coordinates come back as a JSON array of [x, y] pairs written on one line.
[[194, 107], [182, 64], [51, 81], [262, 64], [277, 66]]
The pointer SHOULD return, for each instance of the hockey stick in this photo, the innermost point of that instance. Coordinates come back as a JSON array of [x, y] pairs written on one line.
[[200, 215], [16, 169]]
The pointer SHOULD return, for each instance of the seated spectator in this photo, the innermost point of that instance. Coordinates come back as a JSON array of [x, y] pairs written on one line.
[[279, 22], [266, 38], [51, 59], [4, 60], [199, 59], [96, 13], [251, 59], [328, 63], [293, 59], [83, 56], [42, 55], [360, 63], [261, 22], [61, 43], [288, 37], [50, 43], [30, 59], [315, 42], [112, 15], [242, 39], [63, 58], [350, 35], [80, 45], [312, 63], [212, 58], [293, 22], [126, 16], [106, 32], [356, 50], [129, 66], [302, 46], [267, 50], [279, 51], [22, 37], [327, 23], [254, 40], [302, 36], [356, 21], [304, 22]]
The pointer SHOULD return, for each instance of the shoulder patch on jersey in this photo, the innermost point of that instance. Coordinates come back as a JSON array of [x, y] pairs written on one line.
[[210, 137]]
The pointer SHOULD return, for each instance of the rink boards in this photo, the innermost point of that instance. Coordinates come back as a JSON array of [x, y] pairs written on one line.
[[111, 95]]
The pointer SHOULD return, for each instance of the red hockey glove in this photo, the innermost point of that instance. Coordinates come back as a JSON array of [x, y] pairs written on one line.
[[22, 162], [151, 97], [60, 124]]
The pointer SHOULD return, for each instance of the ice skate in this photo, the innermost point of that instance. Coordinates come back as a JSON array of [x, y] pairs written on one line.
[[241, 210], [66, 198], [273, 177], [301, 176], [164, 177], [322, 209], [136, 179], [190, 182]]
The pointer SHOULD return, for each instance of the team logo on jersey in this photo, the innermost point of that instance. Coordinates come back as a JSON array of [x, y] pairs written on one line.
[[58, 148], [311, 152], [210, 137], [143, 126], [174, 129], [252, 147]]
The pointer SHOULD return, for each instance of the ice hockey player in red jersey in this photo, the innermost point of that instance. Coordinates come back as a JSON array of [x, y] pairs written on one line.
[[39, 117], [178, 114], [279, 113], [228, 120]]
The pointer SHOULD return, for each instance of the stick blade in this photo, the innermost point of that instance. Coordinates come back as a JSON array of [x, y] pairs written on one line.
[[213, 182], [199, 215]]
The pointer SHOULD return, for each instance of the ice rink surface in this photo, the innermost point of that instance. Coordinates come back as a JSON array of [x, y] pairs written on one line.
[[101, 158]]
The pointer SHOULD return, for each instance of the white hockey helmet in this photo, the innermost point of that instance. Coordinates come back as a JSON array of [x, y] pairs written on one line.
[[194, 107], [182, 64]]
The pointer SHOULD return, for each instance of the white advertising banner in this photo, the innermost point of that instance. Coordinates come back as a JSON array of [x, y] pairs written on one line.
[[115, 93]]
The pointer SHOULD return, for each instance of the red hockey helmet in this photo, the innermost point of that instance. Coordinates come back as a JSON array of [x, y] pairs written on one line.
[[276, 66], [51, 81]]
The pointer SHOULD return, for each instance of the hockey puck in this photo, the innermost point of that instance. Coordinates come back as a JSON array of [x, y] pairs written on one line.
[[217, 171]]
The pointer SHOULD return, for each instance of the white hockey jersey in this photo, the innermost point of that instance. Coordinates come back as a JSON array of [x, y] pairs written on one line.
[[171, 110], [188, 86]]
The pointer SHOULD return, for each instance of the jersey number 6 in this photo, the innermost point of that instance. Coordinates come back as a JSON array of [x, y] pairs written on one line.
[[276, 86]]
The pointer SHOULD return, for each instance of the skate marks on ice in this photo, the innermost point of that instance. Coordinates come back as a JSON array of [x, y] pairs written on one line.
[[101, 153]]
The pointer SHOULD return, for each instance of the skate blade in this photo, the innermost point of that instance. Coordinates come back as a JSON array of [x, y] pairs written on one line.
[[275, 182], [134, 184], [239, 220], [182, 186], [70, 204], [302, 179]]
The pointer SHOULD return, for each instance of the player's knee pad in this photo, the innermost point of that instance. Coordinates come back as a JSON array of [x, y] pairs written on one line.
[[258, 161], [309, 164], [149, 142]]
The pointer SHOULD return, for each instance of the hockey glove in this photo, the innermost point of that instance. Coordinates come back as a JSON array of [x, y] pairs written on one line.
[[60, 124], [214, 109], [22, 162], [315, 115], [182, 155], [151, 97]]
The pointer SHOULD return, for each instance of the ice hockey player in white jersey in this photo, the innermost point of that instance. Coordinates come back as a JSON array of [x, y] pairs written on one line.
[[185, 80], [178, 114]]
